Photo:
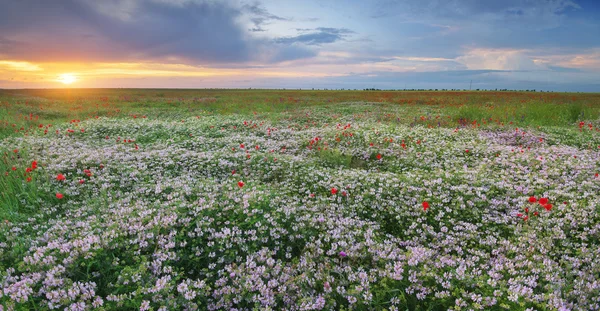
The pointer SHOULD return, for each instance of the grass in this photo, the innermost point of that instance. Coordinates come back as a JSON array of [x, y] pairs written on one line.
[[324, 173]]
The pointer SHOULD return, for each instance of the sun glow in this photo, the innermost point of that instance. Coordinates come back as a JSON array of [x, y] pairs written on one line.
[[67, 78]]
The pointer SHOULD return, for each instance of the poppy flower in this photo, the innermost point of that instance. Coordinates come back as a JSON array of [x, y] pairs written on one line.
[[34, 165], [532, 199], [240, 184], [543, 201], [425, 205], [378, 156], [14, 168], [548, 206], [81, 181], [60, 177], [59, 195], [16, 151], [242, 146], [334, 191], [28, 179]]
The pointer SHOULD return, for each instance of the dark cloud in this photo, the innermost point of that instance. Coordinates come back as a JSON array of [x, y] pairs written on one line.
[[198, 31], [260, 16], [469, 8], [317, 36]]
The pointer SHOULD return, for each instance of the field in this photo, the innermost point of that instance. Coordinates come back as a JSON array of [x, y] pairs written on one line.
[[299, 200]]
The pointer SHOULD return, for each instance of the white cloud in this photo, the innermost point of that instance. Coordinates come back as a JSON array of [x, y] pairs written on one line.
[[494, 59]]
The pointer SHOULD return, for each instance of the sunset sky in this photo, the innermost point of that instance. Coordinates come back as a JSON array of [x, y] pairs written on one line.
[[526, 44]]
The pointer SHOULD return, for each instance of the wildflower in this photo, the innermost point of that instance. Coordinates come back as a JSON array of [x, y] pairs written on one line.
[[532, 199], [334, 191], [543, 201], [240, 184], [425, 205], [548, 206], [60, 177], [34, 165], [378, 156], [59, 195], [343, 254]]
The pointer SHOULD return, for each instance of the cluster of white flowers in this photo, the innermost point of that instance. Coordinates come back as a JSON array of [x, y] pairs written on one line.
[[307, 211]]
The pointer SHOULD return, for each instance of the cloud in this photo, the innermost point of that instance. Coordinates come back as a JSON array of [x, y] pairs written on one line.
[[259, 16], [191, 31], [518, 9], [317, 36], [19, 66], [498, 60]]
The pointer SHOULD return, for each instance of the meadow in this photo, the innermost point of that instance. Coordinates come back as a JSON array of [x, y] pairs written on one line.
[[157, 199]]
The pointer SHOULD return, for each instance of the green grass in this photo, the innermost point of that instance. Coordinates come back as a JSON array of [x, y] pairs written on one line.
[[18, 198]]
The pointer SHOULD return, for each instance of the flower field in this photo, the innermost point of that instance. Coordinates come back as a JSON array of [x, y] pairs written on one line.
[[299, 200]]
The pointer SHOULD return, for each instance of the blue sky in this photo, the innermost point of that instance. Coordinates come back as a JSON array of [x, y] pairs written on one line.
[[516, 44]]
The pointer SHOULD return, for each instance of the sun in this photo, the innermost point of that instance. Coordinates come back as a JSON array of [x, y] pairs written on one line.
[[67, 78]]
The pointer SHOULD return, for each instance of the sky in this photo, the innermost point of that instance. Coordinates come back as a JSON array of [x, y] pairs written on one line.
[[388, 44]]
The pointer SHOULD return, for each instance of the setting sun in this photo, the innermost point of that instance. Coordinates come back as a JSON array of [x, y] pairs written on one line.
[[67, 78]]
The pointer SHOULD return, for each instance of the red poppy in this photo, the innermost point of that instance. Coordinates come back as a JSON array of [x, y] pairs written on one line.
[[425, 205], [28, 179], [14, 168], [81, 181], [467, 150], [543, 201], [233, 172], [60, 177], [242, 146], [16, 150], [548, 206], [34, 165], [378, 156], [59, 195], [532, 199], [240, 184], [334, 191], [28, 170]]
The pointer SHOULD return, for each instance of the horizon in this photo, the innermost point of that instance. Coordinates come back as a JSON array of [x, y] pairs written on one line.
[[546, 45]]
